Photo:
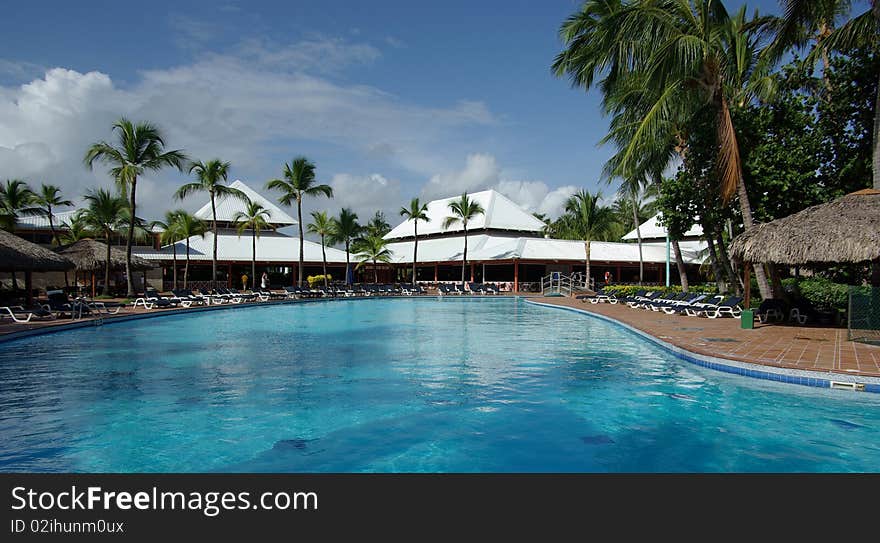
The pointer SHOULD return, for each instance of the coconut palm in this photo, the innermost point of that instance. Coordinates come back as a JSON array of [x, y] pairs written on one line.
[[299, 181], [76, 228], [140, 147], [463, 211], [684, 55], [416, 212], [105, 213], [16, 200], [804, 19], [188, 226], [345, 229], [322, 225], [211, 177], [255, 218], [588, 221], [169, 235], [377, 226], [47, 199], [372, 249]]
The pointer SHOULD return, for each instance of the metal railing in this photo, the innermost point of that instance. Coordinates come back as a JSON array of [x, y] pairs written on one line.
[[557, 284]]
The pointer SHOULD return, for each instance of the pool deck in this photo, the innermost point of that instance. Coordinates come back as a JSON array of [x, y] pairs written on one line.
[[777, 345]]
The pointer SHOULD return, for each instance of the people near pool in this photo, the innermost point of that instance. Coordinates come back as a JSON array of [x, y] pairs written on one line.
[[264, 281], [244, 279]]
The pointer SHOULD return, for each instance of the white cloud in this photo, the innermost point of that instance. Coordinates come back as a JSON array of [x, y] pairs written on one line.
[[482, 172], [365, 194], [246, 107]]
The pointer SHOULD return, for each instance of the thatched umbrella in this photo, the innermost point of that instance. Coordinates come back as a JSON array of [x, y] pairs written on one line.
[[91, 256], [17, 254], [846, 230]]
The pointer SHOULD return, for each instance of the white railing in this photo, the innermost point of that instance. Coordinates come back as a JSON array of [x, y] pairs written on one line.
[[556, 284]]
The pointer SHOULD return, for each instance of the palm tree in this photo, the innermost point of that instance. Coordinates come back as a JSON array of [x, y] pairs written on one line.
[[299, 181], [48, 198], [463, 211], [860, 30], [211, 176], [256, 218], [188, 226], [681, 56], [345, 229], [372, 249], [322, 225], [105, 213], [140, 147], [170, 235], [589, 221], [16, 199], [377, 226], [76, 228], [629, 202], [416, 212]]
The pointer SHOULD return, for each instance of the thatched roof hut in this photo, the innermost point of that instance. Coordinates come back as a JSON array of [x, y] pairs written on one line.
[[17, 254], [846, 230], [91, 255]]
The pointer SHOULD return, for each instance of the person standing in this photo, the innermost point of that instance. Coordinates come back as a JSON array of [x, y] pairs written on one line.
[[244, 279], [264, 281]]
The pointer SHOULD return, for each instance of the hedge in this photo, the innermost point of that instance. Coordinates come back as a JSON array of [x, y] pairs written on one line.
[[629, 290], [819, 291]]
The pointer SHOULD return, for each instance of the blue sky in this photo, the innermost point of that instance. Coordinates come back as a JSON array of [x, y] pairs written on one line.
[[390, 99]]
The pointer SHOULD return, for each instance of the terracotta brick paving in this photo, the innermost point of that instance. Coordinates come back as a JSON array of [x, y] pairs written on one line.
[[781, 345]]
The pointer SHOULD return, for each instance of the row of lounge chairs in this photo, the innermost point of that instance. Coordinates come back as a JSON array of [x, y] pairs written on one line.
[[349, 291], [472, 288], [684, 303], [58, 305]]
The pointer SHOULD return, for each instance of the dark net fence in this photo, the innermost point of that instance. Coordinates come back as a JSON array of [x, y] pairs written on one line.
[[864, 314]]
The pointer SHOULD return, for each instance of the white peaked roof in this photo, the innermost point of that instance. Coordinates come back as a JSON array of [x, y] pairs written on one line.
[[40, 222], [228, 207], [487, 247], [271, 247], [652, 229], [501, 214]]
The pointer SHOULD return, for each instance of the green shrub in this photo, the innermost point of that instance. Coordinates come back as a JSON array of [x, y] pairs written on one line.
[[628, 290], [318, 279], [819, 291]]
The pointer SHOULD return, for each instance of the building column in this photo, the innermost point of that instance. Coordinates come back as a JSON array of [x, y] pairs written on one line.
[[617, 277], [229, 282], [93, 286], [472, 272], [436, 272], [516, 275]]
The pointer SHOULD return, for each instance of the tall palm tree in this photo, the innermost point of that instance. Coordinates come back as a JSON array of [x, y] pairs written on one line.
[[629, 199], [686, 54], [76, 228], [170, 236], [140, 147], [189, 226], [322, 225], [106, 214], [588, 221], [345, 229], [299, 181], [416, 212], [377, 226], [372, 249], [860, 30], [16, 199], [211, 177], [255, 218], [46, 199], [463, 211]]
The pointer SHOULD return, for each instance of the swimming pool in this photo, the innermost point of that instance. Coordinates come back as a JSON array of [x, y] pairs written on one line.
[[404, 385]]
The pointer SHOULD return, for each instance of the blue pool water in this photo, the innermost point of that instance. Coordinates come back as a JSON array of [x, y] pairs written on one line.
[[404, 385]]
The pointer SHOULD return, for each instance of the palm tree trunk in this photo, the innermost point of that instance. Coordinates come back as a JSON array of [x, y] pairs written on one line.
[[174, 263], [324, 260], [299, 216], [724, 259], [464, 258], [52, 226], [716, 267], [415, 248], [639, 237], [679, 263], [214, 254], [375, 272], [186, 268], [129, 240], [107, 265], [254, 259], [746, 210], [347, 263], [587, 264]]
